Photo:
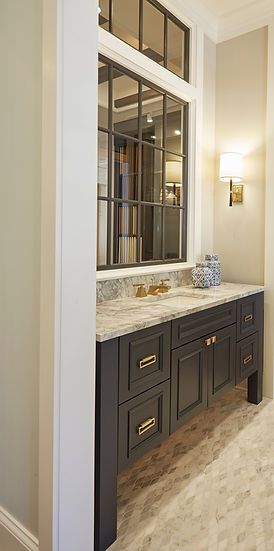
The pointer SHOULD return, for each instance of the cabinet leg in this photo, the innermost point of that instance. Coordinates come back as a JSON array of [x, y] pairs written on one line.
[[254, 394]]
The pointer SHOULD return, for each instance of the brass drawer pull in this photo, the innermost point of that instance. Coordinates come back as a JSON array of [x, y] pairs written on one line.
[[150, 360], [249, 317], [248, 359], [146, 425], [212, 340]]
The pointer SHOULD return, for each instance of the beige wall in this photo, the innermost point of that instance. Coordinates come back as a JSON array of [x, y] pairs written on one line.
[[208, 173], [241, 90], [20, 145]]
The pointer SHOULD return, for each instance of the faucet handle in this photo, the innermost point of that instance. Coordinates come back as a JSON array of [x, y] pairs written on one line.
[[141, 292]]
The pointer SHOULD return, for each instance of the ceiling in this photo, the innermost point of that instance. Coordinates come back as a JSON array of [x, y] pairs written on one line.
[[221, 8]]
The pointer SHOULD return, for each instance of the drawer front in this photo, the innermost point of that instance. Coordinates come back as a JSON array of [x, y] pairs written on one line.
[[221, 363], [247, 357], [143, 423], [188, 383], [144, 360], [195, 326], [249, 315]]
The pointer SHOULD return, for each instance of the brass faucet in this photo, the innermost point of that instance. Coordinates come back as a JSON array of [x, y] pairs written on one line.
[[141, 291], [163, 287], [153, 288]]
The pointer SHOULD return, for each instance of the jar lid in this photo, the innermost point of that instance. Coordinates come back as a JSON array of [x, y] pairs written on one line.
[[212, 257], [201, 265]]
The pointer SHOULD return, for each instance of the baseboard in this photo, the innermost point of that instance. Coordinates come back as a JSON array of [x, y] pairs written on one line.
[[18, 531]]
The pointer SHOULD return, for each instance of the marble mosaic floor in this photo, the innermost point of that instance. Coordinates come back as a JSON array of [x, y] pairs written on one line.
[[209, 487]]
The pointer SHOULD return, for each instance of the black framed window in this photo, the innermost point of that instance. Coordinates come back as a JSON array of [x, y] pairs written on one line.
[[142, 171], [150, 28]]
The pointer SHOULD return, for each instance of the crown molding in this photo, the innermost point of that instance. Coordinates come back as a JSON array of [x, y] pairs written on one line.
[[243, 20], [194, 13]]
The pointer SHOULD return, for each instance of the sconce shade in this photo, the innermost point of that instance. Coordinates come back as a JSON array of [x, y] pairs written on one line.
[[231, 167], [173, 172]]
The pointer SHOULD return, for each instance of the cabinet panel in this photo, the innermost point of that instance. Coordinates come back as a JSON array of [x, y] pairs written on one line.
[[247, 357], [143, 423], [249, 315], [195, 326], [188, 382], [221, 363], [144, 360]]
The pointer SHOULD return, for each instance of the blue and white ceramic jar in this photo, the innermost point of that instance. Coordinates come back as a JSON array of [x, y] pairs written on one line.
[[201, 276], [214, 265]]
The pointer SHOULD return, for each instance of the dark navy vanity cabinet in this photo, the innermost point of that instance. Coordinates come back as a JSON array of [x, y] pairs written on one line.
[[149, 383]]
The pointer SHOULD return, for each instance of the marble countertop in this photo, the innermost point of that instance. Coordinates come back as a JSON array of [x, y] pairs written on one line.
[[123, 316]]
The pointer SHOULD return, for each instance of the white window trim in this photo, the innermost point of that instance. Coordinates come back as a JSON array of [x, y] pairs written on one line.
[[118, 51]]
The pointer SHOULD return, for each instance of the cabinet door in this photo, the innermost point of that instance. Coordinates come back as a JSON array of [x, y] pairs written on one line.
[[188, 382], [221, 363]]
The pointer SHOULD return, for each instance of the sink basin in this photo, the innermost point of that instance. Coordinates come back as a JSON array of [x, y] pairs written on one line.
[[179, 298]]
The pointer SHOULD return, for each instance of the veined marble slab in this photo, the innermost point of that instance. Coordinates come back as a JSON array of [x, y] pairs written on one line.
[[123, 316]]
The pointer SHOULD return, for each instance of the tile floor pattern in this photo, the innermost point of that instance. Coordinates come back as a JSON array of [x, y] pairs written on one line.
[[209, 487]]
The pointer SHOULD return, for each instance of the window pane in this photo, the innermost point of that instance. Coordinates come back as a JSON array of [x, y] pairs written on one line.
[[103, 84], [173, 233], [125, 104], [102, 233], [175, 126], [153, 38], [125, 219], [152, 174], [151, 233], [174, 180], [104, 14], [102, 172], [125, 168], [125, 21], [175, 49], [152, 116]]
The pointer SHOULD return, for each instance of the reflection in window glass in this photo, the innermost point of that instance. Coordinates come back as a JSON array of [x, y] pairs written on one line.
[[103, 87], [174, 129], [125, 168], [153, 33], [125, 231], [102, 172], [125, 104], [104, 14], [152, 116], [152, 174], [174, 180], [125, 21], [102, 209], [175, 49], [151, 233], [173, 233]]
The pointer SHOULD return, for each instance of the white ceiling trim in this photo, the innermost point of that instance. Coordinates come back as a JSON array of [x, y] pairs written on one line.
[[194, 13], [246, 19]]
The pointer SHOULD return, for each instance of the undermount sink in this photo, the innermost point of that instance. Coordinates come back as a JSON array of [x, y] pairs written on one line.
[[180, 297]]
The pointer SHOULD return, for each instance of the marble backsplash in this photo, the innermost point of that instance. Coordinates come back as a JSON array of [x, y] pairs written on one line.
[[112, 289]]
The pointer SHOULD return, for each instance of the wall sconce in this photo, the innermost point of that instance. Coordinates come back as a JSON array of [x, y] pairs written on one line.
[[231, 170]]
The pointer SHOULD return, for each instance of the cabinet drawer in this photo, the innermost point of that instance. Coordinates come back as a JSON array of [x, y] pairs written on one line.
[[247, 357], [195, 326], [249, 315], [143, 423], [188, 382], [144, 360]]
